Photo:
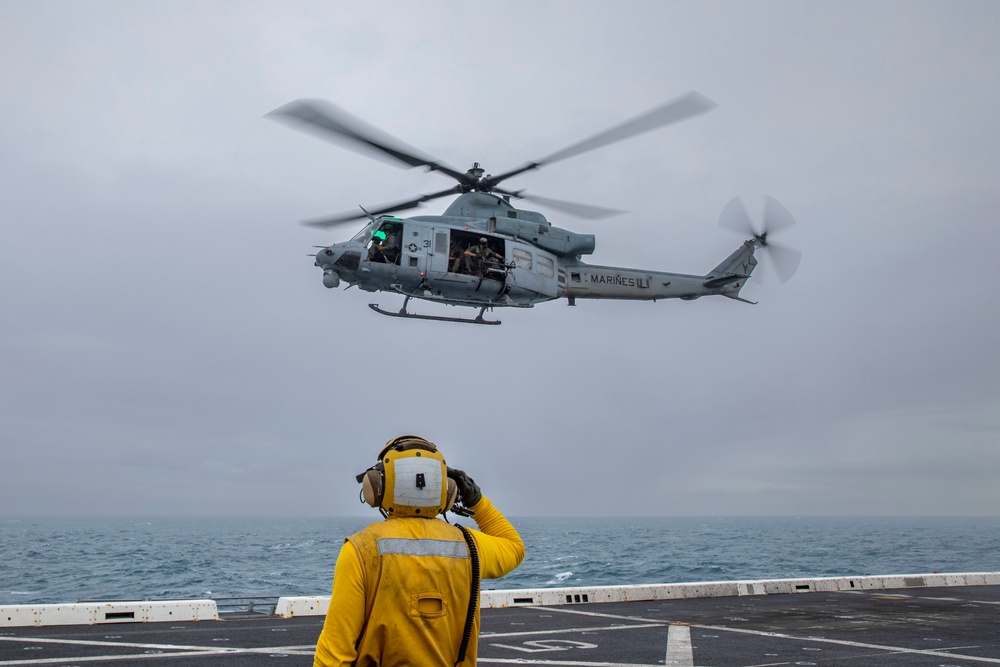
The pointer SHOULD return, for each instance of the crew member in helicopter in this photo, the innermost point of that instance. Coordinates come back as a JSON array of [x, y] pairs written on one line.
[[406, 590], [392, 246], [377, 250], [476, 257], [455, 256]]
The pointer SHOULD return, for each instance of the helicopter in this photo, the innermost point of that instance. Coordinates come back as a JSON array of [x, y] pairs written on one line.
[[485, 253]]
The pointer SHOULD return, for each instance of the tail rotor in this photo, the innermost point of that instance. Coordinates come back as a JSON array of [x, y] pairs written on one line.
[[776, 218]]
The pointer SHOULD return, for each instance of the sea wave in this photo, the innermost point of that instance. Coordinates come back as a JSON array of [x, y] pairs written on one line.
[[63, 560]]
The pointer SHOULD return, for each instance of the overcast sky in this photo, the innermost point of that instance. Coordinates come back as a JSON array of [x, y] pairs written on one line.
[[167, 346]]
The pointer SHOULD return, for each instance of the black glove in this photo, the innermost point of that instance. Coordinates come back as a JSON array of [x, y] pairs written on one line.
[[468, 491]]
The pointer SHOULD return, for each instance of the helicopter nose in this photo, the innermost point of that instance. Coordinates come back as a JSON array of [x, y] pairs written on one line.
[[326, 257]]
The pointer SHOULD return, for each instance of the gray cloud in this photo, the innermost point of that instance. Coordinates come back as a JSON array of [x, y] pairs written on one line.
[[168, 348]]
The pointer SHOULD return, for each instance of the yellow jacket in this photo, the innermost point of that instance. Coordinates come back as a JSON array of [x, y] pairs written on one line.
[[404, 600]]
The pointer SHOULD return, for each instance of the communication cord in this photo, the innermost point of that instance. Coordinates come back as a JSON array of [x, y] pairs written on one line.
[[473, 593]]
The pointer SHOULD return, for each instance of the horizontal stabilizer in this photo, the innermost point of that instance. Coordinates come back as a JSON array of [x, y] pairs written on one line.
[[712, 283]]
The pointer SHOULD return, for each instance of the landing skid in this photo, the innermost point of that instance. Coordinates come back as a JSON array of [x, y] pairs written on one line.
[[440, 318]]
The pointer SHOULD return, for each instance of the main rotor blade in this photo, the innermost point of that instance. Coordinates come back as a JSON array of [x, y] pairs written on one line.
[[786, 260], [333, 221], [685, 106], [333, 123], [734, 216], [586, 211]]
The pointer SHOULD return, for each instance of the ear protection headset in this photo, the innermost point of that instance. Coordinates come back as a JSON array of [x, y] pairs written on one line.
[[409, 479]]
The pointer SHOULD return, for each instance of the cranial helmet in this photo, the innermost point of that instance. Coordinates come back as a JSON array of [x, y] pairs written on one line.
[[409, 479]]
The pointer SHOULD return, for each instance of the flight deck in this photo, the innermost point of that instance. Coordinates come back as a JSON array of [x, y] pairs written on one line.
[[944, 626]]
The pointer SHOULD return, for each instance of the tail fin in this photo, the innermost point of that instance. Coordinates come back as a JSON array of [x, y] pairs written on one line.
[[730, 276]]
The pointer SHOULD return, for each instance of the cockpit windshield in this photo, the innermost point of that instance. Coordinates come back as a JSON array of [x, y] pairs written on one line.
[[365, 234], [383, 228], [384, 239]]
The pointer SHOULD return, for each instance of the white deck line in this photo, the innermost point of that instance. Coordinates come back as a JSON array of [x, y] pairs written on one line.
[[287, 607], [679, 651]]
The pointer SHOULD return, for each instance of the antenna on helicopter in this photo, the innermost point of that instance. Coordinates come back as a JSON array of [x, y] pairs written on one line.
[[370, 216]]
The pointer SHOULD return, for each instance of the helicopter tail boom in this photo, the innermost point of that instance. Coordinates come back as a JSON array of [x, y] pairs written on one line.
[[610, 282]]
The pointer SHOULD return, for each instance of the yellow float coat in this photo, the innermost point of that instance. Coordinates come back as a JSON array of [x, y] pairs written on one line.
[[401, 590]]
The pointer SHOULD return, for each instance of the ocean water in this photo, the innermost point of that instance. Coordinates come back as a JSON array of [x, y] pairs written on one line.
[[65, 560]]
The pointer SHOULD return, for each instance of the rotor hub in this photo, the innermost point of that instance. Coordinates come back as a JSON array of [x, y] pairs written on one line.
[[476, 180], [476, 171]]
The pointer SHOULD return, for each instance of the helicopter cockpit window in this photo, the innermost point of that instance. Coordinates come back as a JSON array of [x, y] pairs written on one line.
[[522, 259], [386, 243], [364, 235], [391, 229]]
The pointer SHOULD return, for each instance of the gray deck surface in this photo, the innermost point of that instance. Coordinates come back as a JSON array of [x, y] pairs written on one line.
[[936, 627]]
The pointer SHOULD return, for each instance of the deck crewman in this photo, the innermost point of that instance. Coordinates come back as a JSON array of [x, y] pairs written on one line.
[[406, 589]]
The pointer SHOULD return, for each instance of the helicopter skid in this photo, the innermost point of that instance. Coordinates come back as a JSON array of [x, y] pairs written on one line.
[[440, 318]]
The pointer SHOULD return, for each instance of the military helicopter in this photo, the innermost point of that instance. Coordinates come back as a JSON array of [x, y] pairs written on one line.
[[484, 253]]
